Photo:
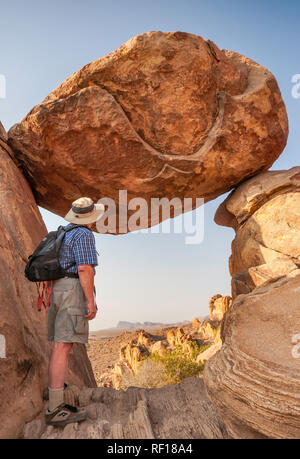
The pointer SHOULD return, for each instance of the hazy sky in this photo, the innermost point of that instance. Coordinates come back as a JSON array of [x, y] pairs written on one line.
[[146, 277]]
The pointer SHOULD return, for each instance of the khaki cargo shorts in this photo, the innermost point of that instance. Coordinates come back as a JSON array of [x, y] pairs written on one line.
[[68, 306]]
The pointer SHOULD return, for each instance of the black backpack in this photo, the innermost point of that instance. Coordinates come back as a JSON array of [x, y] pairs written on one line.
[[43, 264]]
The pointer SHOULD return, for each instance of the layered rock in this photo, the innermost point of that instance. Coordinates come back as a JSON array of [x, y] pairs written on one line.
[[265, 213], [218, 305], [24, 348], [166, 115], [178, 411], [255, 377]]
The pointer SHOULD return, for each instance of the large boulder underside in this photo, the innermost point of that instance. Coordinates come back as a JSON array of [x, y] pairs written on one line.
[[166, 115]]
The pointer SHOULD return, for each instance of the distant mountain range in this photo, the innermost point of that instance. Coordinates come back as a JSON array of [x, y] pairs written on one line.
[[134, 325], [125, 326]]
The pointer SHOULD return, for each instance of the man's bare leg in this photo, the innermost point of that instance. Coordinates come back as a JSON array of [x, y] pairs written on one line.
[[57, 371]]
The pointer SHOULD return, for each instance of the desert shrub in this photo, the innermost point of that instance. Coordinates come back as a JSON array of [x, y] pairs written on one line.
[[158, 371], [149, 374], [180, 363]]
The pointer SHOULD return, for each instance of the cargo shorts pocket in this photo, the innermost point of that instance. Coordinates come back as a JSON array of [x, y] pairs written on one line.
[[79, 322]]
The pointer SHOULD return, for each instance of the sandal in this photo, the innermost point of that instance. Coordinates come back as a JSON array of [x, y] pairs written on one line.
[[65, 414]]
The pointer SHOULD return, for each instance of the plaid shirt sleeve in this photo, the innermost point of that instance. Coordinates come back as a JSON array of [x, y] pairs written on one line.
[[85, 250]]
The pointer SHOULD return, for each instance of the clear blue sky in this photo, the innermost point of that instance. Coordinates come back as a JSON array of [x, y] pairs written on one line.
[[147, 277]]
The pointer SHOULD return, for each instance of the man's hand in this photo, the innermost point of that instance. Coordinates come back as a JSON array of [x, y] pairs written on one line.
[[86, 276], [92, 311]]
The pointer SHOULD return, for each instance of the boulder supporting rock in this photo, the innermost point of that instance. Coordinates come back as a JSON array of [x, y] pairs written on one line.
[[255, 377], [25, 353]]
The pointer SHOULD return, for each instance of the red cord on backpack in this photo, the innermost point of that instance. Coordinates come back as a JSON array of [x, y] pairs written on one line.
[[42, 289]]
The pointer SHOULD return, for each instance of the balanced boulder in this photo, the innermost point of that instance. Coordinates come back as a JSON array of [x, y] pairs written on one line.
[[165, 115]]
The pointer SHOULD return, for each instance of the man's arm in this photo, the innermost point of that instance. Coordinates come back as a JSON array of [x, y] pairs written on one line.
[[86, 277]]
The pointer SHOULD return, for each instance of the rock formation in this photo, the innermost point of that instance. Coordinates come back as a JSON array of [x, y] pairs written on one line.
[[133, 352], [265, 213], [25, 350], [255, 377], [160, 347], [196, 323], [208, 353], [128, 370], [177, 411], [218, 305], [165, 115], [207, 330]]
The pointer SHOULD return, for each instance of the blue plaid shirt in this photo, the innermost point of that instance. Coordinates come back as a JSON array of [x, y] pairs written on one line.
[[79, 246]]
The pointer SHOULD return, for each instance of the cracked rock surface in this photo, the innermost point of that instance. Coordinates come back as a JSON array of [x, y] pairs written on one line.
[[176, 411]]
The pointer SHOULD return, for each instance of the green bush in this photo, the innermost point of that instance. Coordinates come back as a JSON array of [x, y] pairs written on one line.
[[180, 363], [157, 371]]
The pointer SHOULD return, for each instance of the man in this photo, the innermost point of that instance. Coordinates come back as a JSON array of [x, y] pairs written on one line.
[[72, 305]]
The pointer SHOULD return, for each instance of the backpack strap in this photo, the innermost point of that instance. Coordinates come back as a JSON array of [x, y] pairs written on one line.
[[73, 227], [48, 290], [44, 288], [65, 230], [41, 294]]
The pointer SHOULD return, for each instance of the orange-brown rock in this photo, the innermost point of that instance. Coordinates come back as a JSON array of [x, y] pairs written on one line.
[[168, 114], [24, 350], [178, 337], [119, 370], [255, 377], [171, 338], [182, 337], [160, 347], [196, 323], [265, 213], [143, 339], [207, 330], [132, 354], [218, 305]]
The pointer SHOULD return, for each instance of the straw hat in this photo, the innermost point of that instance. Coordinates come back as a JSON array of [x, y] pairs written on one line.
[[84, 211]]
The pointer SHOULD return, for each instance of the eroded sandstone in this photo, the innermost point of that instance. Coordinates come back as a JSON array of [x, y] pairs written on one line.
[[255, 377], [24, 360], [176, 411]]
